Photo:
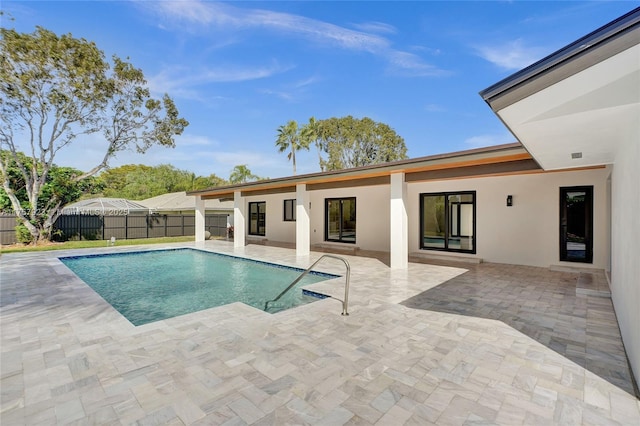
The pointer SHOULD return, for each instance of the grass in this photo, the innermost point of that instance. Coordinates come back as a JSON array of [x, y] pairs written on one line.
[[92, 244]]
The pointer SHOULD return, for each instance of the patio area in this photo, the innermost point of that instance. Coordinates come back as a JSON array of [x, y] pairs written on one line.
[[433, 344]]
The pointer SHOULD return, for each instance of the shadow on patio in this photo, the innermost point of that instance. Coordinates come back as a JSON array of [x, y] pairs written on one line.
[[543, 305]]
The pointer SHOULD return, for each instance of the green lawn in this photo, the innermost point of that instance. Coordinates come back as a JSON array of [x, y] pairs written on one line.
[[93, 244]]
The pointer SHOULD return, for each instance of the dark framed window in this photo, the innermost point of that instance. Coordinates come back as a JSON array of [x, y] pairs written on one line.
[[448, 221], [576, 224], [289, 210], [257, 218], [340, 220]]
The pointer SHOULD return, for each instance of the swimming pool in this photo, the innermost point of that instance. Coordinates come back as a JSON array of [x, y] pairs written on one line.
[[154, 285]]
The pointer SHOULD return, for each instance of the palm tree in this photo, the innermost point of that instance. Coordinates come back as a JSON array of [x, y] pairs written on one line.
[[311, 131], [241, 174], [293, 139]]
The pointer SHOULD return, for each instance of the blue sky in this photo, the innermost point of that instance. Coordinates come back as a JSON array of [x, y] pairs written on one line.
[[239, 70]]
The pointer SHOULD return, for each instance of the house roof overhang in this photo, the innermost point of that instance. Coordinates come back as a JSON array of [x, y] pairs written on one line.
[[496, 160], [573, 107]]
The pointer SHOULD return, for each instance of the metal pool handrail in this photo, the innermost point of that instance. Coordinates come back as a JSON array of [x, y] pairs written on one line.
[[345, 302]]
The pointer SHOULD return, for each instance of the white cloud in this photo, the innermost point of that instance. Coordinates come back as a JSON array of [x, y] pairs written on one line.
[[194, 140], [513, 55], [190, 11], [376, 27], [306, 82], [408, 64], [429, 50], [184, 82], [211, 16], [480, 141], [174, 77], [291, 92], [287, 96]]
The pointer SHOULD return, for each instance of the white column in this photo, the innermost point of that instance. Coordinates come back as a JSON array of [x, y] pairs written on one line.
[[303, 241], [399, 223], [199, 218], [238, 219]]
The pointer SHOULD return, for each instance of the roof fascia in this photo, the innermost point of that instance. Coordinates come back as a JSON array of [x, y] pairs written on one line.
[[484, 155], [479, 170], [599, 45]]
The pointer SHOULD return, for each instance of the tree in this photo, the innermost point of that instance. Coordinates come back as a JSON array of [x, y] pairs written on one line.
[[156, 181], [137, 181], [242, 174], [201, 182], [56, 88], [60, 186], [292, 138], [312, 132], [115, 179], [351, 142]]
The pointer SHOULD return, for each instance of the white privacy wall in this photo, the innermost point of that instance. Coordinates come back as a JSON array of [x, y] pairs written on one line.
[[528, 232], [625, 245]]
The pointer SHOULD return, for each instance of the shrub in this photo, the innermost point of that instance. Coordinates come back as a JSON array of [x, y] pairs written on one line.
[[23, 235]]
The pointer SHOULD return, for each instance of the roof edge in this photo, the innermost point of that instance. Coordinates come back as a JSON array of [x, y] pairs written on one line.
[[382, 167], [587, 43]]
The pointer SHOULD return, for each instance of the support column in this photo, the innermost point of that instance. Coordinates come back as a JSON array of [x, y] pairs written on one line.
[[399, 225], [199, 219], [238, 219], [303, 231]]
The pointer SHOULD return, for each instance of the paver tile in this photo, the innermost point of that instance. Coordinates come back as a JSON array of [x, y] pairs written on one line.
[[435, 344]]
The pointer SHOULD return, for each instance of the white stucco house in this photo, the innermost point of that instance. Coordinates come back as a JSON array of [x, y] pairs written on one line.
[[567, 193]]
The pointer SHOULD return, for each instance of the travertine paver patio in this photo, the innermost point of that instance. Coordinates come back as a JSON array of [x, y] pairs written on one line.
[[544, 305], [70, 358]]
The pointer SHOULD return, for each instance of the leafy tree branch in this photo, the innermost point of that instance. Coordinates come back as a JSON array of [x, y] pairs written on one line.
[[56, 89]]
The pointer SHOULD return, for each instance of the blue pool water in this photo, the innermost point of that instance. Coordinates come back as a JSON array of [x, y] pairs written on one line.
[[154, 285]]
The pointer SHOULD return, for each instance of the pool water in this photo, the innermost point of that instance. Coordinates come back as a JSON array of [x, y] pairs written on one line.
[[155, 285]]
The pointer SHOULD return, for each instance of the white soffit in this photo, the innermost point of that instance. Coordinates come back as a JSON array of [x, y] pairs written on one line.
[[588, 113]]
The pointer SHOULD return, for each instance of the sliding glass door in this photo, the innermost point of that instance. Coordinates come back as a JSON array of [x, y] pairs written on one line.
[[340, 222], [448, 221], [257, 218]]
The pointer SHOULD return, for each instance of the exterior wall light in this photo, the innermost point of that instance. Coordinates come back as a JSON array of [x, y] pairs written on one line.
[[509, 200]]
